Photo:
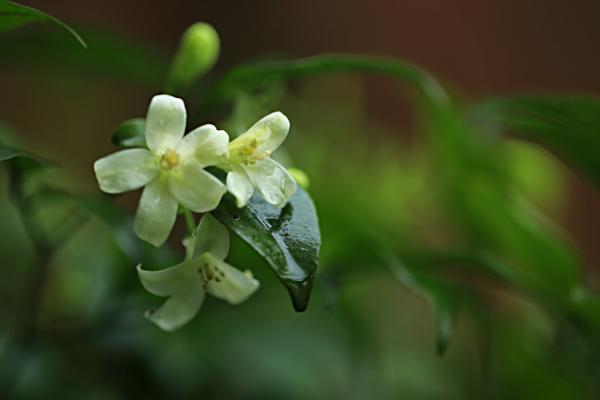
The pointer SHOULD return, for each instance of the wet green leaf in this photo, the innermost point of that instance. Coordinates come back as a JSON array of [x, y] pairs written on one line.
[[288, 239]]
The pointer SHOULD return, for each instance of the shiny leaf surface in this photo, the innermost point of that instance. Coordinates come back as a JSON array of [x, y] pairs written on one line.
[[288, 239]]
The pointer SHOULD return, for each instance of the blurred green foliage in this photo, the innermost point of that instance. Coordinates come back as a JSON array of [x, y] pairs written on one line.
[[461, 219], [13, 15]]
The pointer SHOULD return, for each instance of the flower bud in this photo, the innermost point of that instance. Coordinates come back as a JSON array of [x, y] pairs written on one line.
[[300, 177], [197, 53]]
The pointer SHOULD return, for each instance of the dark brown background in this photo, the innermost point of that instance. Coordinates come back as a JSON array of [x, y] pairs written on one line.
[[483, 47]]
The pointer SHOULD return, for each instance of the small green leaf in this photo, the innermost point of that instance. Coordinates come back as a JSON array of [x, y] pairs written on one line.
[[13, 15], [130, 133], [288, 239], [567, 125]]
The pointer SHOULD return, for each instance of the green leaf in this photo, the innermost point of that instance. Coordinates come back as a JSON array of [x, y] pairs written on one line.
[[20, 159], [8, 153], [102, 208], [586, 305], [250, 76], [109, 56], [130, 133], [569, 126], [444, 297], [474, 179], [13, 15], [288, 238]]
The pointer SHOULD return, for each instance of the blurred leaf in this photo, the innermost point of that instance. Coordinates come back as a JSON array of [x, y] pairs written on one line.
[[99, 206], [109, 56], [130, 133], [519, 232], [536, 173], [568, 126], [444, 297], [586, 305], [119, 223], [13, 15], [250, 76], [480, 195], [287, 238], [20, 160], [8, 153]]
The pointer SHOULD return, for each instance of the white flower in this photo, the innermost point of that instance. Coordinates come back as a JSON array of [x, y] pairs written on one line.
[[204, 271], [250, 167], [171, 169]]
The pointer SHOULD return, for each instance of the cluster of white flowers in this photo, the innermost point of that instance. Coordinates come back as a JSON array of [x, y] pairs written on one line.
[[172, 171]]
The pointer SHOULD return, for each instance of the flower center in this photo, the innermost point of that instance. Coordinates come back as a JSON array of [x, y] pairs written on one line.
[[246, 153], [169, 160], [210, 271]]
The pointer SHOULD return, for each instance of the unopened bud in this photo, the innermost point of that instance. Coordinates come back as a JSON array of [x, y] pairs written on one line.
[[197, 53], [300, 177]]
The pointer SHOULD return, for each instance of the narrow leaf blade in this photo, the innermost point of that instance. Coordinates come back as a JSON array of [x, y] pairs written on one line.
[[13, 15], [23, 159], [569, 126], [444, 297]]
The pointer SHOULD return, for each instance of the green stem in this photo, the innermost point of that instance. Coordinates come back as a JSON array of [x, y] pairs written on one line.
[[25, 330], [42, 256], [189, 220]]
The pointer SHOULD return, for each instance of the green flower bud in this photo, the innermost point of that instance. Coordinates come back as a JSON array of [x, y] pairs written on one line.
[[300, 177], [197, 53]]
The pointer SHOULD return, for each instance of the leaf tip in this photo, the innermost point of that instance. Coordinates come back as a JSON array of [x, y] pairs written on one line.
[[300, 292]]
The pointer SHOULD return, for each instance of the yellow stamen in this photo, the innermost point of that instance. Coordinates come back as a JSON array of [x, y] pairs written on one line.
[[246, 153], [169, 160]]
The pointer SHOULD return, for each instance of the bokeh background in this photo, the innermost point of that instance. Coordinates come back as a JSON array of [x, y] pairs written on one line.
[[482, 48], [372, 338]]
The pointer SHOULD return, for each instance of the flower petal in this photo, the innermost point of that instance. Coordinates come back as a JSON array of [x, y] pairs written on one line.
[[229, 284], [156, 213], [207, 144], [211, 237], [240, 186], [165, 123], [269, 132], [195, 188], [180, 308], [165, 282], [272, 181], [125, 170]]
